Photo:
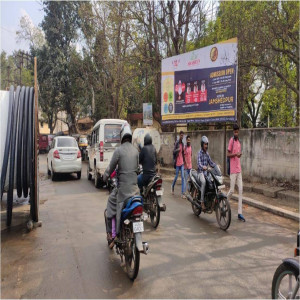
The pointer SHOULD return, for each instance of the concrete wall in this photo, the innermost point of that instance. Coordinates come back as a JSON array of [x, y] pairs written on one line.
[[268, 153]]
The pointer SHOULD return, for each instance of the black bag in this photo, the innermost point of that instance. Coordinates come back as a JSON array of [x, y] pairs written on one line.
[[228, 159], [174, 155]]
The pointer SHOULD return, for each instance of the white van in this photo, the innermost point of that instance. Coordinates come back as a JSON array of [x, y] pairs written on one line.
[[105, 138]]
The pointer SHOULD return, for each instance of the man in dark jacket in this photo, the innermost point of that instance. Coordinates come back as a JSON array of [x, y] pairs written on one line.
[[148, 159]]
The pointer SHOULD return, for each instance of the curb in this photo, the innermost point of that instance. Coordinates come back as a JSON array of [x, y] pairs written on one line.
[[267, 207], [270, 208]]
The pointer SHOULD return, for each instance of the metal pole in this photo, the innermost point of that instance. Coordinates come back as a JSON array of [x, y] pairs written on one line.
[[225, 152], [36, 132]]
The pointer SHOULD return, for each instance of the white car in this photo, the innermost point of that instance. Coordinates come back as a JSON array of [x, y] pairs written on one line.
[[105, 138], [64, 157]]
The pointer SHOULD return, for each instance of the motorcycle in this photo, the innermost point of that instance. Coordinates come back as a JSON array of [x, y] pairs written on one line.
[[112, 182], [129, 243], [83, 152], [285, 275], [214, 199], [153, 200]]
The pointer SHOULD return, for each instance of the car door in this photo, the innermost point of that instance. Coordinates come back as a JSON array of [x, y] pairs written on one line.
[[92, 151]]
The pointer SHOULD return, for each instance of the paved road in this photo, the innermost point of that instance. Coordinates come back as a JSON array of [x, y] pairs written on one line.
[[190, 256]]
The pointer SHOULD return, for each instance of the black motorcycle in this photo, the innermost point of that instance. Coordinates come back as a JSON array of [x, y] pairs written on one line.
[[286, 279], [214, 199], [153, 200], [129, 243]]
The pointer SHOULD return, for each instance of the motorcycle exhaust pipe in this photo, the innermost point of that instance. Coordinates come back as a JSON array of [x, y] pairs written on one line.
[[163, 207], [145, 248], [189, 198]]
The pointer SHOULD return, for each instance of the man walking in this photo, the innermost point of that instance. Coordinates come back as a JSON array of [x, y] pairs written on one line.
[[178, 156], [235, 153], [188, 159]]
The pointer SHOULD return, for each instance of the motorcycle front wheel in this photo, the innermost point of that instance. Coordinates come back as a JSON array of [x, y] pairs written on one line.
[[154, 212], [223, 213], [132, 258], [285, 285]]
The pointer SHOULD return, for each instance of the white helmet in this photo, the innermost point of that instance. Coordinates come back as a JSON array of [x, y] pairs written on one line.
[[125, 132], [204, 140]]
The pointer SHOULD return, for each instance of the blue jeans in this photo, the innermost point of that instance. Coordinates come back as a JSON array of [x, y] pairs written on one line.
[[181, 168], [140, 181], [143, 180], [187, 173]]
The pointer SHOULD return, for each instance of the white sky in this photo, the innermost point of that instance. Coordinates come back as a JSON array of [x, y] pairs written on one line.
[[11, 12]]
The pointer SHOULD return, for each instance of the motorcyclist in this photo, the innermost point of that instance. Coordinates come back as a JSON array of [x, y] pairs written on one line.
[[203, 161], [148, 159], [126, 157]]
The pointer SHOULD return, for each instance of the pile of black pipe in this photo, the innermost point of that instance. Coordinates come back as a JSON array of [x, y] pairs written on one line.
[[19, 151]]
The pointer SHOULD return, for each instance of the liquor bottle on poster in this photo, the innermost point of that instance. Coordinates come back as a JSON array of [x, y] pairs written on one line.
[[196, 92], [203, 92], [179, 90], [188, 95]]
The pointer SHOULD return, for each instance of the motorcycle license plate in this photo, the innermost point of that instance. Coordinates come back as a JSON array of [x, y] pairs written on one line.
[[160, 192], [222, 187], [138, 227]]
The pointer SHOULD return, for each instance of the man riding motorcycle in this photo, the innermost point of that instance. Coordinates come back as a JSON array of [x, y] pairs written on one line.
[[203, 161], [126, 157], [148, 159]]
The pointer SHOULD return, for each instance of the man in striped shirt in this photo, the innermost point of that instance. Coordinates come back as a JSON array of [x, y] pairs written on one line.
[[203, 161]]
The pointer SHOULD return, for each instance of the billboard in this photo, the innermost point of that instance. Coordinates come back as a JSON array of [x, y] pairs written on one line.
[[147, 114], [201, 85]]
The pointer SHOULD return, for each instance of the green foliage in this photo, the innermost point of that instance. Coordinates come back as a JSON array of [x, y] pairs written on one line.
[[123, 43], [11, 69]]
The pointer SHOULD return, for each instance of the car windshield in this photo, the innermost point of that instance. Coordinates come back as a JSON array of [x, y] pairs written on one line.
[[112, 133], [66, 142]]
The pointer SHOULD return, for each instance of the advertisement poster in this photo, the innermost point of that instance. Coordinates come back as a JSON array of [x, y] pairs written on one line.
[[147, 114], [200, 86]]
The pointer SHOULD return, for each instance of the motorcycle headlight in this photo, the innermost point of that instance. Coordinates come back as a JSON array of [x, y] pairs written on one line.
[[220, 179]]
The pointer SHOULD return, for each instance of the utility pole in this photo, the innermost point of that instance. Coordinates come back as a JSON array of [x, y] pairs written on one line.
[[24, 57]]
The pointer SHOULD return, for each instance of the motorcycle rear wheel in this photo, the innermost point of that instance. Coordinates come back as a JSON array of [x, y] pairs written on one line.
[[223, 213], [132, 258], [194, 194], [282, 287], [154, 212]]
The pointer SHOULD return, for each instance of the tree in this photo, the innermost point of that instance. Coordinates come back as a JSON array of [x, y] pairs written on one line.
[[60, 26], [16, 71], [268, 39], [30, 33]]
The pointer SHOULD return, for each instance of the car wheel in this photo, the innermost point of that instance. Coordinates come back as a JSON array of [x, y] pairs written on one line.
[[78, 175], [49, 172], [89, 176], [53, 174], [97, 179]]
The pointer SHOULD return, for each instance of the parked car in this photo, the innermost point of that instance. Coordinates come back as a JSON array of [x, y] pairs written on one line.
[[43, 143], [64, 157], [105, 138]]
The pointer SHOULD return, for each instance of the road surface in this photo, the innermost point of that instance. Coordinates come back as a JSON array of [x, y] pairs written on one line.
[[190, 257]]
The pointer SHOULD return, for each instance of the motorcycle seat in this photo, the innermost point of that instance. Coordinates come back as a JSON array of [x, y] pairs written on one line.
[[194, 173], [131, 204]]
